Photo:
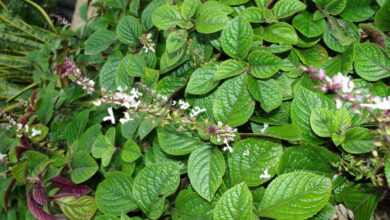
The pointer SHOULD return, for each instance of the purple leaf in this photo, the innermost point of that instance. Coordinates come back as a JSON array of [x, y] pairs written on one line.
[[66, 185], [36, 210], [39, 195]]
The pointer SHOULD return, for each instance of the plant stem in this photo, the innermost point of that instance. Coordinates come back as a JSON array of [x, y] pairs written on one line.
[[44, 14]]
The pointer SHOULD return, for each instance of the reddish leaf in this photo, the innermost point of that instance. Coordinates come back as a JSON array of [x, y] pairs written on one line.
[[66, 185], [36, 210], [39, 194]]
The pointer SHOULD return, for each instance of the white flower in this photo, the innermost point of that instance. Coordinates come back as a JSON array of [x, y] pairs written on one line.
[[266, 125], [339, 103], [227, 147], [246, 152], [19, 126], [2, 156], [110, 117], [183, 105], [265, 174], [135, 93], [35, 132], [97, 102], [126, 118], [196, 111], [379, 103]]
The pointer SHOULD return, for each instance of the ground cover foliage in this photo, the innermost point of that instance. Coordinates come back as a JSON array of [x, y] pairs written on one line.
[[231, 109]]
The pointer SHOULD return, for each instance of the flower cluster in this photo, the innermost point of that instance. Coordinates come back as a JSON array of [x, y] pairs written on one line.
[[223, 133], [344, 88], [74, 73], [148, 43]]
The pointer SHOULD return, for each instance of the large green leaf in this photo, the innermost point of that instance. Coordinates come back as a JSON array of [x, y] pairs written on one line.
[[190, 206], [167, 16], [236, 39], [129, 30], [189, 7], [76, 126], [107, 75], [305, 24], [296, 195], [335, 7], [83, 167], [308, 158], [206, 167], [233, 104], [280, 32], [303, 104], [115, 194], [341, 63], [211, 20], [99, 41], [235, 204], [104, 147], [267, 92], [382, 20], [177, 142], [229, 68], [357, 10], [201, 81], [359, 141], [371, 62], [263, 64], [321, 122], [287, 8], [153, 184], [130, 151], [82, 208], [252, 159]]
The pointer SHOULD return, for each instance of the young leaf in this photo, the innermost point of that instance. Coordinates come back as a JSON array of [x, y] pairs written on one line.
[[83, 167], [188, 8], [99, 41], [371, 62], [114, 195], [236, 203], [321, 122], [78, 208], [358, 141], [130, 151], [306, 25], [201, 81], [206, 167], [104, 147], [252, 158], [233, 104], [267, 92], [129, 30], [167, 16], [229, 68], [237, 38], [296, 195], [263, 64], [335, 7], [153, 184], [287, 8], [280, 32]]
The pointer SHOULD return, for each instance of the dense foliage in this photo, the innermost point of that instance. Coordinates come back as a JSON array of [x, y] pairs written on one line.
[[230, 109]]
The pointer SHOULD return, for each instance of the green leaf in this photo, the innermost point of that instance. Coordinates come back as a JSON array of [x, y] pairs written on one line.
[[314, 56], [341, 121], [87, 139], [129, 30], [236, 38], [326, 213], [201, 81], [307, 26], [178, 143], [387, 169], [107, 75], [167, 16], [267, 92], [341, 63], [188, 8], [296, 195], [382, 20], [357, 10], [229, 68], [206, 167], [104, 147], [83, 167], [371, 62], [359, 141], [287, 8], [235, 204], [190, 206], [115, 194], [176, 40], [83, 208], [263, 64], [289, 132], [211, 20], [233, 104], [253, 14], [99, 41], [335, 7], [321, 122], [308, 158], [153, 184], [134, 65], [304, 102], [280, 32], [130, 151], [76, 127], [235, 2], [252, 158]]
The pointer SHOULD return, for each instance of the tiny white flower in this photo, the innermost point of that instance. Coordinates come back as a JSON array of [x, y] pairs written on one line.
[[35, 132], [126, 118], [246, 152], [19, 126], [2, 156], [26, 128], [110, 117], [135, 93], [183, 105], [265, 174], [227, 147], [266, 125], [97, 102], [339, 103], [379, 103], [196, 111]]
